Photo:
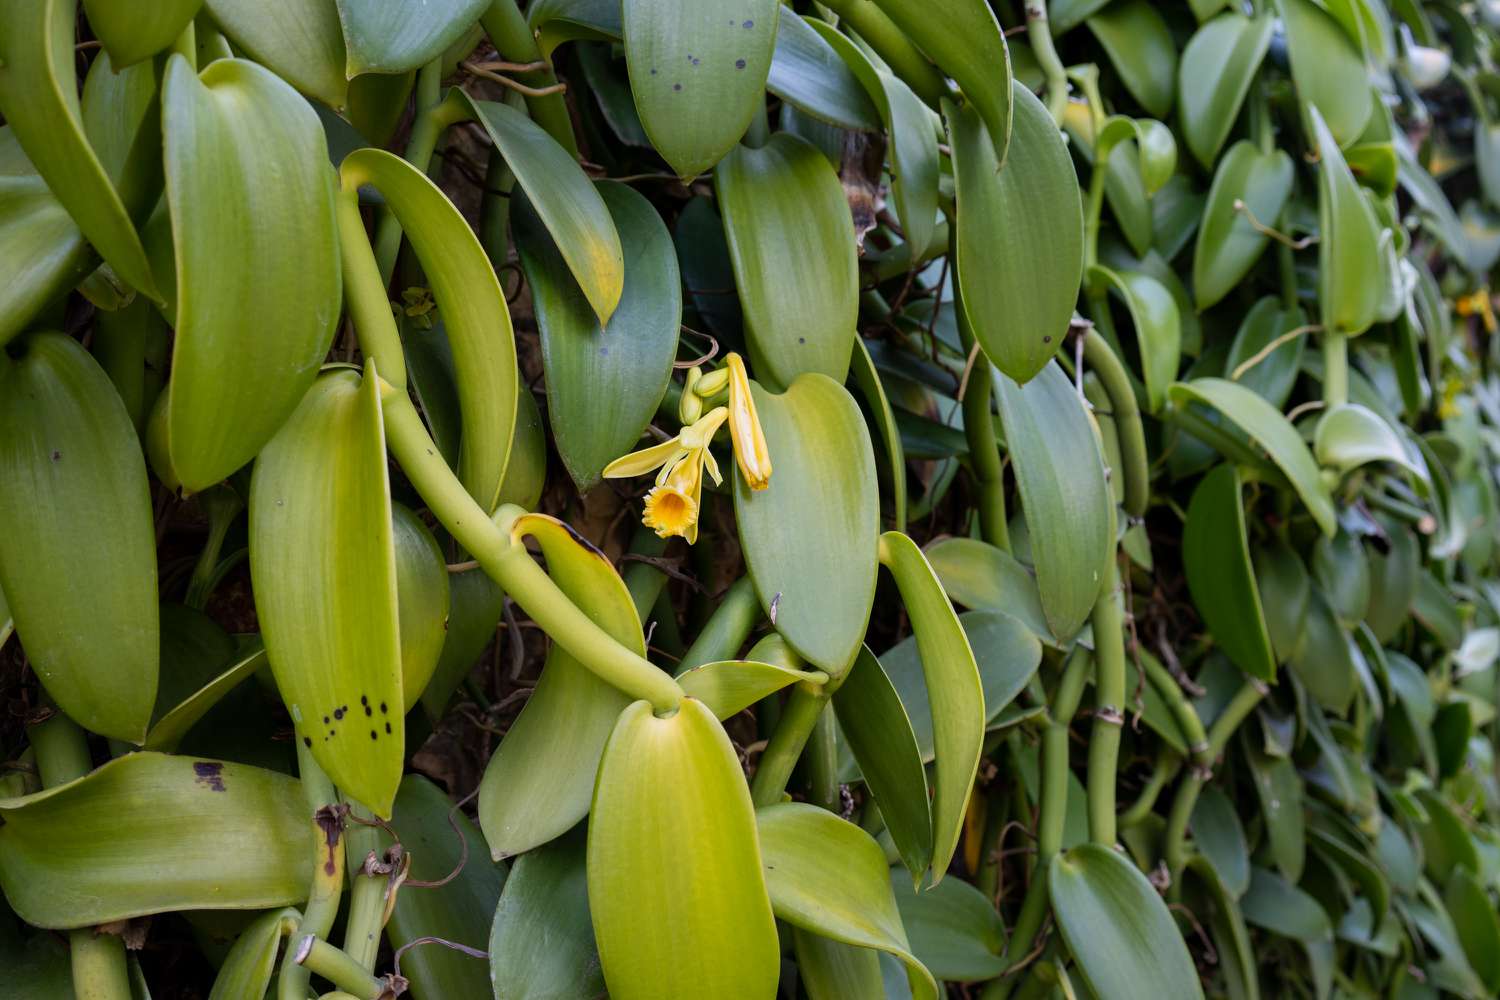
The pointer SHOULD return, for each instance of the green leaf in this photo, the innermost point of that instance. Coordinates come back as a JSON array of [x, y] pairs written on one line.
[[1393, 580], [955, 931], [1325, 660], [538, 784], [149, 833], [301, 41], [604, 384], [475, 605], [698, 72], [1284, 589], [828, 876], [246, 972], [1327, 68], [1228, 245], [1279, 789], [954, 691], [1018, 292], [475, 317], [676, 887], [1140, 46], [1216, 555], [913, 147], [1218, 64], [1068, 14], [981, 576], [1213, 903], [323, 563], [257, 272], [1348, 240], [879, 733], [573, 209], [77, 541], [1473, 913], [1271, 374], [1275, 434], [168, 731], [728, 687], [442, 840], [132, 32], [791, 241], [809, 538], [41, 248], [1060, 475], [1218, 834], [421, 600], [832, 970], [1343, 574], [966, 42], [393, 38], [1351, 435], [1119, 930], [542, 943], [1158, 328], [808, 73], [39, 99], [1283, 909], [1447, 846]]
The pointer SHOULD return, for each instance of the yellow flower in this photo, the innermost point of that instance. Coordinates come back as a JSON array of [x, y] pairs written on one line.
[[750, 450], [672, 507], [673, 504]]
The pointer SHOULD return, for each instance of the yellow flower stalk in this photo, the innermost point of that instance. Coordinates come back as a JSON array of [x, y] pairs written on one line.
[[750, 450]]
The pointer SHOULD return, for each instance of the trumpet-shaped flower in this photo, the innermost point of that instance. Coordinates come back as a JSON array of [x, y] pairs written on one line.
[[673, 504], [750, 450]]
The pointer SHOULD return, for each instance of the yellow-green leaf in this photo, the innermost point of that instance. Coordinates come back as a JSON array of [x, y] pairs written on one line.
[[1349, 290], [133, 31], [323, 562], [41, 248], [301, 41], [676, 886], [1158, 327], [728, 687], [382, 37], [791, 241], [77, 542], [422, 602], [1228, 245], [1327, 67], [257, 272]]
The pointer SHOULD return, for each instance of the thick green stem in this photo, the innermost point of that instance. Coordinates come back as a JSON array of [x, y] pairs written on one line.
[[727, 628], [367, 891], [512, 38], [511, 565], [1039, 35], [1093, 210], [223, 505], [365, 293], [979, 430], [1182, 710], [317, 955], [891, 44], [1162, 772], [322, 803], [494, 209], [426, 127], [785, 746], [1335, 369], [1109, 697], [823, 762], [1112, 375]]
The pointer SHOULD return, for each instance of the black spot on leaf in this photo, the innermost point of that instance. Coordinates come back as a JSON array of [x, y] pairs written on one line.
[[210, 773]]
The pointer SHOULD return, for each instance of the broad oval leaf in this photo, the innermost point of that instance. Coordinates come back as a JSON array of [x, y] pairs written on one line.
[[301, 41], [1217, 833], [966, 42], [955, 931], [1119, 930], [1140, 46], [698, 70], [1020, 236], [542, 941], [1343, 574], [1327, 67], [382, 37], [1158, 327], [832, 970], [246, 972], [1228, 245], [475, 317], [1285, 590], [475, 606], [1266, 425], [257, 275], [132, 31], [980, 576], [77, 542], [1468, 903], [323, 562], [39, 99], [828, 876], [1351, 435], [810, 536], [1279, 789], [1060, 475], [1264, 343], [1283, 909], [539, 782], [808, 73], [1348, 240], [676, 887], [604, 383], [421, 599], [1220, 577], [1217, 67], [728, 687], [41, 248], [791, 241], [148, 833], [1325, 660]]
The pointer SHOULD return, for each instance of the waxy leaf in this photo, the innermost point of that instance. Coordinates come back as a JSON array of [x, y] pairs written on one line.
[[1343, 574], [1140, 46], [831, 970], [954, 691], [149, 833], [41, 248], [39, 99], [1216, 555], [828, 876], [791, 241], [385, 37], [246, 972], [475, 317], [542, 942], [1217, 67], [539, 782], [301, 41], [1020, 236], [1158, 327], [981, 576], [808, 73], [422, 601], [168, 730], [698, 71], [728, 687], [1393, 580], [1327, 67], [1228, 245], [1325, 660], [1348, 241], [1271, 374], [1285, 590], [954, 929], [1118, 928], [1283, 909], [323, 562], [1352, 435], [1468, 903], [1060, 474], [1217, 833], [1272, 431], [677, 892], [810, 536], [257, 275], [475, 606], [77, 543], [603, 384], [1279, 789], [965, 40], [133, 31]]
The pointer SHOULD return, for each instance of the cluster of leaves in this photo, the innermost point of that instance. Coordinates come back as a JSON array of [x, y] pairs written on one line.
[[1205, 448]]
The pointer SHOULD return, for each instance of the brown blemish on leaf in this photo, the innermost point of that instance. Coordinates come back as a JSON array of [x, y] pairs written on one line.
[[210, 773], [330, 820]]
